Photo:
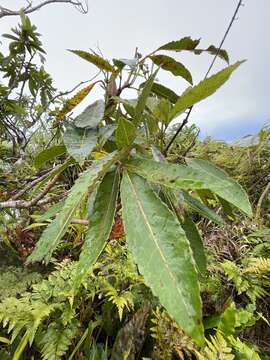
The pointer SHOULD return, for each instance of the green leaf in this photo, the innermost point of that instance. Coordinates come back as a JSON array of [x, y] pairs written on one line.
[[187, 177], [80, 142], [52, 211], [185, 43], [162, 110], [204, 89], [143, 98], [163, 91], [238, 198], [91, 116], [196, 243], [214, 51], [48, 154], [53, 234], [202, 209], [169, 64], [94, 59], [100, 225], [105, 133], [162, 252], [125, 132]]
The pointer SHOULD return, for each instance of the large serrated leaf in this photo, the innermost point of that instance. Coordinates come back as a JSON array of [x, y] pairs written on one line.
[[204, 89], [196, 243], [80, 142], [187, 177], [238, 193], [185, 43], [174, 67], [91, 116], [161, 250], [94, 59], [125, 132], [101, 223], [48, 154], [53, 234]]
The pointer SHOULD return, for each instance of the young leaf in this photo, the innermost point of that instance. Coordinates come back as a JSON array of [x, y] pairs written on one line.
[[185, 43], [169, 64], [80, 142], [53, 234], [94, 59], [161, 250], [143, 98], [91, 116], [74, 101], [48, 154], [196, 243], [100, 225], [187, 177], [204, 89], [125, 132]]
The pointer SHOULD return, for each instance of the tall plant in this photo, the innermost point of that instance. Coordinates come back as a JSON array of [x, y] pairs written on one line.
[[129, 175]]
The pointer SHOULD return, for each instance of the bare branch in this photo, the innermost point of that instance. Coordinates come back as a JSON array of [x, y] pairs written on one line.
[[31, 184], [81, 6], [80, 222], [23, 204]]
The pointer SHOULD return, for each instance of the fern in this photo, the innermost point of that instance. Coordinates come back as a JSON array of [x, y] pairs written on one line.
[[16, 280], [242, 351], [23, 316], [56, 339], [245, 282], [258, 266], [169, 338], [121, 299], [216, 348]]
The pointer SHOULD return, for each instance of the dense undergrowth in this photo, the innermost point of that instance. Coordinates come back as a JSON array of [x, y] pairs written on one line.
[[113, 312]]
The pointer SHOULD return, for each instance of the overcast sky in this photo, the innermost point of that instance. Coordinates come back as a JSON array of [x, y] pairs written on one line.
[[240, 107]]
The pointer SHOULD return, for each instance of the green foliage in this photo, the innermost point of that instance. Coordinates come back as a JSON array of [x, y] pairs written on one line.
[[204, 89], [56, 230], [94, 59], [158, 244], [16, 280], [246, 280], [80, 142], [169, 64], [101, 225], [143, 227]]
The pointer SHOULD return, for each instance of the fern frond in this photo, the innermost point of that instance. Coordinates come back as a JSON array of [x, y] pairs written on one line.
[[121, 299], [56, 339], [258, 266], [216, 348], [242, 351], [16, 280]]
